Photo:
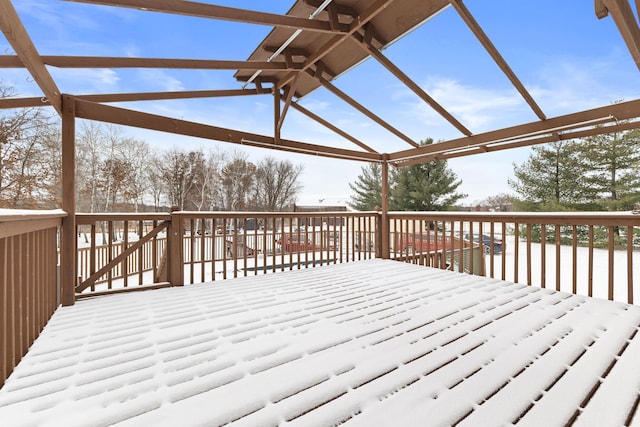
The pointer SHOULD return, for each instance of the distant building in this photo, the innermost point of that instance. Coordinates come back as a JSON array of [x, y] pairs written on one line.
[[319, 220]]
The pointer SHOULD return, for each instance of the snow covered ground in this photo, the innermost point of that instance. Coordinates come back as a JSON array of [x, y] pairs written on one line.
[[600, 269]]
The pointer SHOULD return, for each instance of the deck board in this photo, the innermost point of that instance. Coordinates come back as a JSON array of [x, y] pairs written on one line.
[[366, 343]]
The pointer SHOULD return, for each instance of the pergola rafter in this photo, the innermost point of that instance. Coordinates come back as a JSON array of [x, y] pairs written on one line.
[[495, 54], [622, 15], [205, 10], [19, 39], [7, 61], [593, 119], [121, 116]]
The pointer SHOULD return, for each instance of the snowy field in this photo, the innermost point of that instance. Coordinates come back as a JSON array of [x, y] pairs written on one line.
[[600, 269]]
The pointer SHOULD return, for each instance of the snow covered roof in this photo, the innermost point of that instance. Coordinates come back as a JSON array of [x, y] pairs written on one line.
[[365, 343]]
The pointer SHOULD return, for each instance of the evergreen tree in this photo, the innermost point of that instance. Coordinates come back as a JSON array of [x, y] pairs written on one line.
[[367, 188], [426, 187], [613, 161], [552, 178]]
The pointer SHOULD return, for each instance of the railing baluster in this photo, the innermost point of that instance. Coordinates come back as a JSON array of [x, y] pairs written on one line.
[[516, 236], [543, 255], [611, 245], [630, 264], [590, 268], [574, 254], [125, 261], [557, 257]]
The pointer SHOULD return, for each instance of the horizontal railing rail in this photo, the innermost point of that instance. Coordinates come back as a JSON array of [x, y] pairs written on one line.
[[28, 280], [588, 253]]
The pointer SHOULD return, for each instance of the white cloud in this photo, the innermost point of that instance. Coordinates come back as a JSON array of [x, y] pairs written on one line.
[[72, 80], [161, 79], [477, 108]]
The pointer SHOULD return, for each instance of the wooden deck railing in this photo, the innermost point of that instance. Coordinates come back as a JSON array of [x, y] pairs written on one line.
[[587, 253], [28, 280], [121, 251], [133, 251]]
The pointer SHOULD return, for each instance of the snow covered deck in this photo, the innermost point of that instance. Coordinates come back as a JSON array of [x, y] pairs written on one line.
[[366, 343]]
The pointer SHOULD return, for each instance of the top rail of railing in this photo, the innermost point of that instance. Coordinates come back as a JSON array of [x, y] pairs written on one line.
[[569, 218], [14, 222]]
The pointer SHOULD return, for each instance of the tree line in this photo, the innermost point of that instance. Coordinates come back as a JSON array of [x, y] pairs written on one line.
[[115, 172], [600, 172]]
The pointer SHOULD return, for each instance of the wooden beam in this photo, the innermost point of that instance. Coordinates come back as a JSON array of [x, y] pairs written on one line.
[[170, 63], [154, 96], [627, 24], [204, 10], [482, 37], [616, 112], [346, 98], [276, 116], [288, 96], [23, 102], [20, 41], [383, 60], [384, 214], [332, 127], [68, 241], [564, 136], [109, 114]]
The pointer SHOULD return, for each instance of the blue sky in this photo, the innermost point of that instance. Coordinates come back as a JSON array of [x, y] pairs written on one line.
[[567, 58]]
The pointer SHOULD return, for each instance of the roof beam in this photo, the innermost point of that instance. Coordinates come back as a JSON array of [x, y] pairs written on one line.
[[358, 22], [346, 98], [19, 39], [473, 25], [204, 10], [564, 136], [109, 114], [155, 96], [23, 102], [11, 61], [627, 24], [616, 112], [330, 126], [379, 56]]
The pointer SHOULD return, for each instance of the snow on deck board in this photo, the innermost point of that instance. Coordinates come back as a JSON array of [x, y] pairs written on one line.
[[366, 343]]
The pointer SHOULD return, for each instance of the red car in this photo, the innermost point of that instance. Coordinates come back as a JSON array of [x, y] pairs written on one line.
[[296, 243], [424, 242]]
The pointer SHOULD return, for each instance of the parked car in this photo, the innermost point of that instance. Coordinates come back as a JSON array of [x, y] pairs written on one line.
[[423, 242], [296, 243], [498, 244]]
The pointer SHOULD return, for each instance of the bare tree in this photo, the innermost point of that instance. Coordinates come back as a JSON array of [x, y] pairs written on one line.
[[177, 172], [277, 184], [24, 137], [238, 180], [90, 146], [137, 155]]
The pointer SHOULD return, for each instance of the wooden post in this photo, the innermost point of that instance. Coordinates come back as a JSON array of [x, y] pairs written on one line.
[[174, 243], [384, 216], [68, 241], [276, 115]]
